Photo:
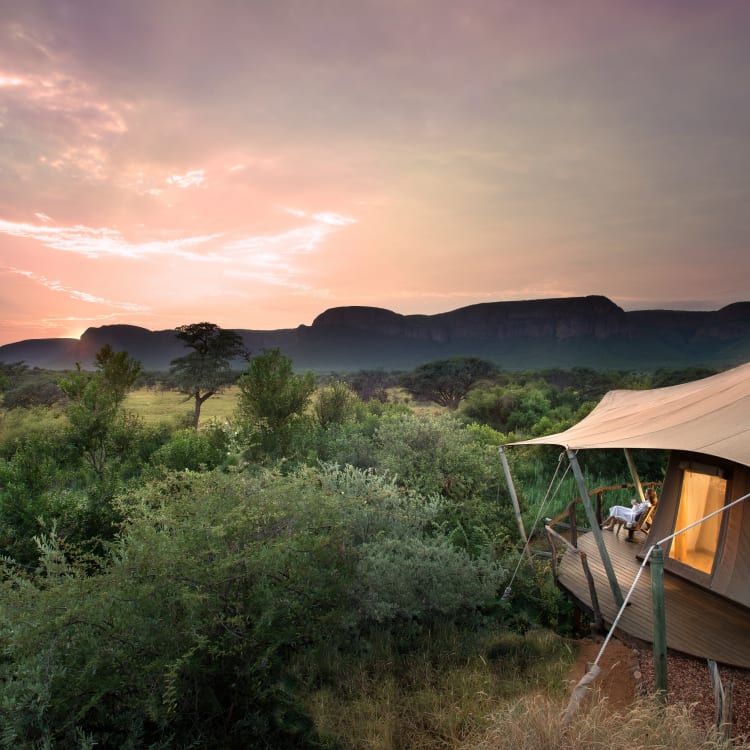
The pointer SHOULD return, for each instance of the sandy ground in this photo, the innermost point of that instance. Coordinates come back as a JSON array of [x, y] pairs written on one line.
[[627, 672], [617, 679]]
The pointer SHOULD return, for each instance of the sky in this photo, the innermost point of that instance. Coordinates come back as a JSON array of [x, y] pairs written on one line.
[[253, 163]]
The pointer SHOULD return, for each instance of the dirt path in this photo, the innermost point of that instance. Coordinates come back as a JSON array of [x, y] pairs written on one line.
[[618, 662]]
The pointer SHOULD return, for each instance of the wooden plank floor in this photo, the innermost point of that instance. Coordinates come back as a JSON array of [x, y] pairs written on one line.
[[699, 623]]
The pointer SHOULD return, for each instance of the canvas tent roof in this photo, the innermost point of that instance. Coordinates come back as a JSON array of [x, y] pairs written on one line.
[[710, 416]]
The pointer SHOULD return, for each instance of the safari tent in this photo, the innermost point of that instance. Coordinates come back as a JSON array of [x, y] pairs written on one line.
[[705, 427]]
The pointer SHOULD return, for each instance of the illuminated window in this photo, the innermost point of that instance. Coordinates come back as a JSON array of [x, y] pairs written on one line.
[[701, 494]]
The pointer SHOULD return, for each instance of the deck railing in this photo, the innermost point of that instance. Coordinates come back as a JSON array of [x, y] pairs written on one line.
[[572, 543]]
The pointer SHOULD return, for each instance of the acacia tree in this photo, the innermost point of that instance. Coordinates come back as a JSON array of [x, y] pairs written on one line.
[[447, 381], [206, 370]]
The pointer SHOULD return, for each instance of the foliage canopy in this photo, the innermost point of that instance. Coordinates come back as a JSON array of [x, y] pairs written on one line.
[[447, 381], [206, 370]]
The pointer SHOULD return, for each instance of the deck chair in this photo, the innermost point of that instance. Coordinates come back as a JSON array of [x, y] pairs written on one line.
[[642, 523]]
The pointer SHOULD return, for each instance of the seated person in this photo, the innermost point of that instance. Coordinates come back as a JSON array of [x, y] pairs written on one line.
[[621, 514]]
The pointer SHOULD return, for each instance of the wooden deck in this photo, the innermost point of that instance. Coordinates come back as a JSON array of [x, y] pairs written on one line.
[[699, 623]]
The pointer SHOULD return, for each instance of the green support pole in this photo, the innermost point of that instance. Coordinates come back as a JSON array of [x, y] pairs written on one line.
[[595, 530], [660, 623]]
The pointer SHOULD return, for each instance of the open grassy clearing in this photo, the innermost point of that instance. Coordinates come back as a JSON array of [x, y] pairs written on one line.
[[156, 405]]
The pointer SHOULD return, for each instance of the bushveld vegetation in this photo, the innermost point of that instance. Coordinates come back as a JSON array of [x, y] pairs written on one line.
[[320, 567]]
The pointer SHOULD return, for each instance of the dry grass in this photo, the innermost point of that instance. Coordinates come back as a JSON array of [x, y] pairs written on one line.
[[157, 406], [425, 702], [512, 701], [463, 712], [383, 714], [534, 723]]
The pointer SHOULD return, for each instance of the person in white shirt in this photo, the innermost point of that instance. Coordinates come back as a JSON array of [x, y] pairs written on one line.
[[622, 514]]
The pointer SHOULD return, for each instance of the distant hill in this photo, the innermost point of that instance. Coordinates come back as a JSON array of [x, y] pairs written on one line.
[[535, 334]]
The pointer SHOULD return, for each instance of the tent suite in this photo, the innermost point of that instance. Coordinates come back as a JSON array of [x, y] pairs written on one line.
[[705, 427]]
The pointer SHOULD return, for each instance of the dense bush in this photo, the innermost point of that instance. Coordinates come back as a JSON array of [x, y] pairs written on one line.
[[164, 592], [437, 454], [28, 423], [186, 636], [335, 403], [33, 472], [193, 449]]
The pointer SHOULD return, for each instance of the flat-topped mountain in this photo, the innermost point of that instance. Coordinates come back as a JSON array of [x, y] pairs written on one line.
[[534, 334]]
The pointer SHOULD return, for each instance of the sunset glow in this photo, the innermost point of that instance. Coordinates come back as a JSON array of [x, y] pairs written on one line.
[[255, 163]]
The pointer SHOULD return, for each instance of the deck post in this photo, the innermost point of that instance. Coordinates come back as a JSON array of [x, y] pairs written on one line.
[[514, 500], [595, 529], [722, 701], [598, 622], [660, 623]]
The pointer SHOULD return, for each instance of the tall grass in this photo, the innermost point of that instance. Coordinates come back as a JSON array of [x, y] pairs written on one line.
[[510, 694], [546, 495], [533, 722], [439, 697]]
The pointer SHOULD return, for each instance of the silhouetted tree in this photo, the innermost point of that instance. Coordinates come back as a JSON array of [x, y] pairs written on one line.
[[206, 370], [447, 381]]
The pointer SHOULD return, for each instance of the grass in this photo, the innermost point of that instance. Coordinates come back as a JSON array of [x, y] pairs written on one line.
[[156, 405], [437, 698], [533, 722], [509, 695]]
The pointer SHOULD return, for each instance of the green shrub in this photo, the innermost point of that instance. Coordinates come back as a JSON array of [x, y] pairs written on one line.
[[193, 449], [426, 579], [219, 582], [334, 403], [436, 454], [22, 424]]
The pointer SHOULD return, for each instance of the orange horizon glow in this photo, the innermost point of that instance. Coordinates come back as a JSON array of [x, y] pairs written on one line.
[[255, 164]]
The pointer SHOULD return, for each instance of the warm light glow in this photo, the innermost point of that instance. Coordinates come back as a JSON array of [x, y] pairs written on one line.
[[701, 495], [257, 164], [74, 333]]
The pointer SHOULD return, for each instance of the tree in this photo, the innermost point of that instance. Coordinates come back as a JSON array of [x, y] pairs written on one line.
[[272, 397], [119, 371], [206, 370], [447, 381], [94, 402], [371, 385]]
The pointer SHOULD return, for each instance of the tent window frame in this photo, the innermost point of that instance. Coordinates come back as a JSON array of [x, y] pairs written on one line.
[[713, 470]]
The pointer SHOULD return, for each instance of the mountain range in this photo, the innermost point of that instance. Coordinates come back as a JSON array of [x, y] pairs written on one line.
[[566, 332]]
